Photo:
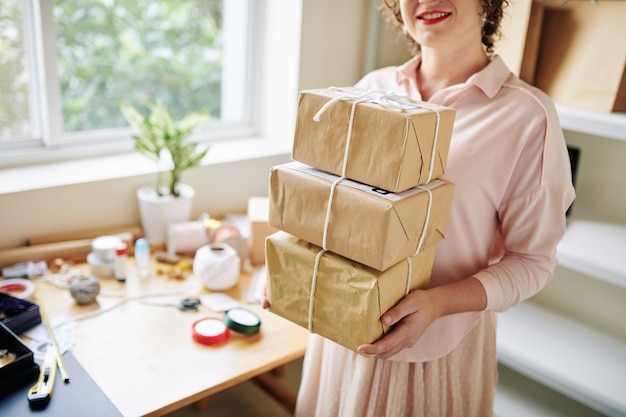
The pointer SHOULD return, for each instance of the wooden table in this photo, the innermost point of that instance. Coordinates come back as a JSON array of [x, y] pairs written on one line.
[[143, 356]]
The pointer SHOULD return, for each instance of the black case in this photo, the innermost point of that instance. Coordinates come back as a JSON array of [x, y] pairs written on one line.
[[23, 369], [17, 314]]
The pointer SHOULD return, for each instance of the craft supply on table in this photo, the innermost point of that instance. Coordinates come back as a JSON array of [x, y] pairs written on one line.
[[242, 321], [217, 265], [102, 258], [28, 269], [186, 304], [17, 287], [64, 374], [142, 258], [120, 261], [186, 237], [230, 234], [104, 247], [209, 331], [219, 302], [84, 289], [39, 395]]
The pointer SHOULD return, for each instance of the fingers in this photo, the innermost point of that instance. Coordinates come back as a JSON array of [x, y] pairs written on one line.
[[408, 319], [404, 308], [392, 343], [265, 303]]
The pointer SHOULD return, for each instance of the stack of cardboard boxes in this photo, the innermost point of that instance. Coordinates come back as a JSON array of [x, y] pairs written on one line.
[[359, 211]]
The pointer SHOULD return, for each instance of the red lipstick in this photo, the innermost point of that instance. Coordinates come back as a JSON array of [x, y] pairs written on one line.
[[432, 17]]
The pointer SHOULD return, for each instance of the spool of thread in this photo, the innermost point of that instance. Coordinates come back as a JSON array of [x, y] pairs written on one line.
[[217, 265]]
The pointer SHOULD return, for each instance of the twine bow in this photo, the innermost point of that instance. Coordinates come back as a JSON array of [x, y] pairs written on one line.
[[387, 99]]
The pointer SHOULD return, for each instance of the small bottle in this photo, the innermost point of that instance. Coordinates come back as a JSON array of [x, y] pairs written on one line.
[[142, 257], [119, 265]]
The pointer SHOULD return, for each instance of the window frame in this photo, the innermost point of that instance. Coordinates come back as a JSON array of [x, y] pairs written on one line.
[[50, 144]]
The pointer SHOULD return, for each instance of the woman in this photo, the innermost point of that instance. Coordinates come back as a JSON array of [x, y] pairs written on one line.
[[509, 162]]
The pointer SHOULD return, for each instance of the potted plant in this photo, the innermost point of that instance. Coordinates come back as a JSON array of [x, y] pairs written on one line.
[[163, 140]]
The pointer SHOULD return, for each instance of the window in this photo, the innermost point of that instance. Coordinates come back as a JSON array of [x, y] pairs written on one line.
[[66, 65]]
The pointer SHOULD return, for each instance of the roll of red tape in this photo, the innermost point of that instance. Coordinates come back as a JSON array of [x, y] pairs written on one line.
[[209, 331]]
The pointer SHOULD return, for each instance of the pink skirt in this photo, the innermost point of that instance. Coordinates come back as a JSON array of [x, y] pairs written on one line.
[[339, 382]]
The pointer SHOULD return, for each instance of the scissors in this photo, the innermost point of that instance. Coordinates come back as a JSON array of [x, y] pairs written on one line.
[[186, 304]]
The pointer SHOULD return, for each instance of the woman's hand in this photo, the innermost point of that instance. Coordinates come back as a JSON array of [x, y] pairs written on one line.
[[415, 312], [266, 303], [410, 318]]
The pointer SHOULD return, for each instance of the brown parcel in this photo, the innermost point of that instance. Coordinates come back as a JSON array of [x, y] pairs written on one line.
[[373, 228], [258, 213], [389, 149], [349, 298]]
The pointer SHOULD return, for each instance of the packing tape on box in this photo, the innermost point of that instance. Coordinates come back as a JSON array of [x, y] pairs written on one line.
[[217, 265], [388, 99]]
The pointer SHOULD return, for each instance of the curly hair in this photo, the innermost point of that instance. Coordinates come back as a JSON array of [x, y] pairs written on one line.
[[493, 11]]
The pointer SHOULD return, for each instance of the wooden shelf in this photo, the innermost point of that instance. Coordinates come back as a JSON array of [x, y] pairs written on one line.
[[596, 249], [571, 358], [609, 125]]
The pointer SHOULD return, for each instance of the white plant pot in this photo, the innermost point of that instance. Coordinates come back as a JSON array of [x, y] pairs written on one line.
[[158, 211]]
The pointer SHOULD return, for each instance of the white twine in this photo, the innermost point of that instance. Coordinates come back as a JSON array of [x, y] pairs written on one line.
[[321, 252], [314, 286], [388, 99], [426, 219], [409, 276], [421, 240]]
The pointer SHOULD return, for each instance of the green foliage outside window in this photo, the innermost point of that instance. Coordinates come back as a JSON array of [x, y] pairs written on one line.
[[14, 117], [138, 51]]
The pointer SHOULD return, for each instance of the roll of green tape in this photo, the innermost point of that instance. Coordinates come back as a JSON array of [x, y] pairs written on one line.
[[242, 321]]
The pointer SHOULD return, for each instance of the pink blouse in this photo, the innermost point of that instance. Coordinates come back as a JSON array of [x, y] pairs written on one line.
[[509, 161]]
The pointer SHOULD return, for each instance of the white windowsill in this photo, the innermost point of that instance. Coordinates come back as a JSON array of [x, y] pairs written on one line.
[[123, 165]]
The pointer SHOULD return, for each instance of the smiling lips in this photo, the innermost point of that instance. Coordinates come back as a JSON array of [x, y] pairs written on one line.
[[432, 17]]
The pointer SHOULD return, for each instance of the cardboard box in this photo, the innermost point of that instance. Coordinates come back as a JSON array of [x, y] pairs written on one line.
[[375, 228], [582, 55], [389, 149], [348, 298], [519, 45], [573, 51], [258, 216]]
